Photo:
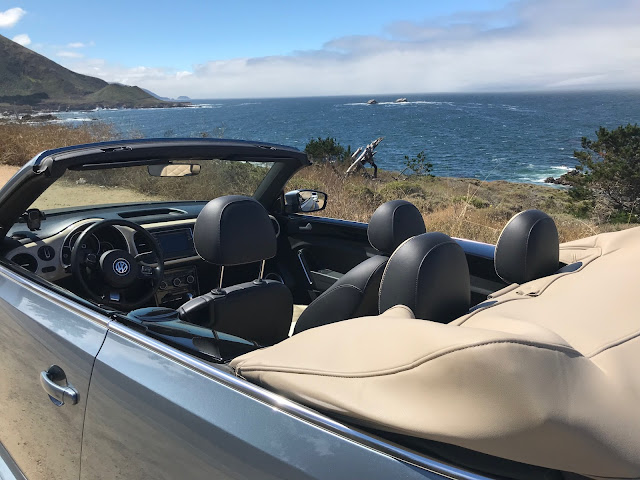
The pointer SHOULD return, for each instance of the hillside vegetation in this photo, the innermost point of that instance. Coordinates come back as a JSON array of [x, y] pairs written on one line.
[[459, 207], [19, 142]]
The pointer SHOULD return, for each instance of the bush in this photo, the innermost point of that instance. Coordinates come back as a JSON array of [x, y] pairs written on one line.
[[327, 149], [418, 165]]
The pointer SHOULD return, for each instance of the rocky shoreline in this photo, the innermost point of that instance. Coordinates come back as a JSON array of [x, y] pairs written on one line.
[[53, 108]]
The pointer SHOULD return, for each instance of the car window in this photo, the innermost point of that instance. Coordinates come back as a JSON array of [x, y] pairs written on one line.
[[135, 184]]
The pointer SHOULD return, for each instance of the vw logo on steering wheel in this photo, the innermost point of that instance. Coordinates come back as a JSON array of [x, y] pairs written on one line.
[[121, 266]]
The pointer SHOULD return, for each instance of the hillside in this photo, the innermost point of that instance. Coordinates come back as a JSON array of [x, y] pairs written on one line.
[[30, 81]]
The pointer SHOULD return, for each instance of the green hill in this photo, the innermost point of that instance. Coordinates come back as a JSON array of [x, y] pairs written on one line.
[[124, 96], [29, 80]]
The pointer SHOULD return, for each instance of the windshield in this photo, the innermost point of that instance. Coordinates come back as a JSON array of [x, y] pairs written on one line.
[[212, 179]]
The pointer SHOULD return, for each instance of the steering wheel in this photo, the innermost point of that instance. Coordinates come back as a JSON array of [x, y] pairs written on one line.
[[115, 277]]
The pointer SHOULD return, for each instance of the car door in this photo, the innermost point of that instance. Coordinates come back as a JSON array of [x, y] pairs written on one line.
[[157, 413], [324, 249], [39, 329]]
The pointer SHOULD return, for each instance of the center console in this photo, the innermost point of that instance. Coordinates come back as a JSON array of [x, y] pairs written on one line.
[[180, 284], [177, 287]]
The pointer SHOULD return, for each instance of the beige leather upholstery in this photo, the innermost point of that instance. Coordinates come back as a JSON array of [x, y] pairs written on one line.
[[546, 373]]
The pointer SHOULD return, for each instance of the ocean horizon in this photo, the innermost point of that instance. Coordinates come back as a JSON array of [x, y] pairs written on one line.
[[520, 137]]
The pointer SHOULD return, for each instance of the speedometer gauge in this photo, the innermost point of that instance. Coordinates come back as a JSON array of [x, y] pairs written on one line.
[[92, 244]]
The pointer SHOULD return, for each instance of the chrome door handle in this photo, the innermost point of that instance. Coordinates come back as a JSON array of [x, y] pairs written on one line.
[[308, 227], [58, 394]]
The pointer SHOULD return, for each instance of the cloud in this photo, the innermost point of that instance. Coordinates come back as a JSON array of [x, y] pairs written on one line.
[[528, 45], [10, 17], [23, 39], [80, 45], [67, 54]]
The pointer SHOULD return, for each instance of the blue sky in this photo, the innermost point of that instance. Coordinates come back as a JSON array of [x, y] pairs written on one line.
[[285, 48]]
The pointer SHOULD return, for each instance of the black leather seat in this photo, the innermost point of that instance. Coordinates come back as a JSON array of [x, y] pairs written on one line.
[[528, 248], [236, 230], [429, 274], [355, 294]]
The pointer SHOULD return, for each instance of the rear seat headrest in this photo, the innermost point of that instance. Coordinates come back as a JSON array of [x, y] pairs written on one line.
[[528, 248], [392, 223], [429, 274], [234, 230]]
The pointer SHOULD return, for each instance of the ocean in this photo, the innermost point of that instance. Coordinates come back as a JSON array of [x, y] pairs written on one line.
[[521, 137]]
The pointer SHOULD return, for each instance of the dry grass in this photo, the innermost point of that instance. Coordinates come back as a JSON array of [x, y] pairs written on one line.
[[465, 208], [19, 142]]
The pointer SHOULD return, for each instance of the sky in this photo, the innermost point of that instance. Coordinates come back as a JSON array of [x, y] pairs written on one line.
[[282, 48]]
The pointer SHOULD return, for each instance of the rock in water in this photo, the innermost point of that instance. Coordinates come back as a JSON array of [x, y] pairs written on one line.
[[373, 101]]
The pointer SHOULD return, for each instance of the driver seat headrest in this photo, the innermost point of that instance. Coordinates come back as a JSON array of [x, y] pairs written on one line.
[[429, 274], [528, 248], [392, 223], [234, 230]]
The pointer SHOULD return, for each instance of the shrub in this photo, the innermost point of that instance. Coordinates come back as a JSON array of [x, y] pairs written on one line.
[[418, 165], [325, 149]]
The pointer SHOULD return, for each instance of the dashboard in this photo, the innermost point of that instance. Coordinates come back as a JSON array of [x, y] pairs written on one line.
[[47, 252]]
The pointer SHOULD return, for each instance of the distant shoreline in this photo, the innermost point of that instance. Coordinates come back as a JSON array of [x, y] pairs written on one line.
[[10, 109]]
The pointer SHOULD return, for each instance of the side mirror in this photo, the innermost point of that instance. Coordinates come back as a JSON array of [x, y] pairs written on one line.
[[305, 201], [174, 170]]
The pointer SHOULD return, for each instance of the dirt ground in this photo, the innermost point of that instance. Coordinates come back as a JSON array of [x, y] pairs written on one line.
[[63, 194], [6, 172], [68, 195]]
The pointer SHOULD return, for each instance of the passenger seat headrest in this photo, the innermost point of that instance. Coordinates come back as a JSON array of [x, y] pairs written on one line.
[[528, 248], [428, 274], [234, 230], [392, 223]]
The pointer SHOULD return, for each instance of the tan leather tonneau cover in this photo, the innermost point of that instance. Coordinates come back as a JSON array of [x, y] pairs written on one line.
[[547, 374]]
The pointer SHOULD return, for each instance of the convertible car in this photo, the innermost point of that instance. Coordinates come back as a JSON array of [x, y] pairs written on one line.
[[168, 311]]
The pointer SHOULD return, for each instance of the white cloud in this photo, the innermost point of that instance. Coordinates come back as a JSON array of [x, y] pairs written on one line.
[[23, 39], [80, 45], [528, 45], [10, 17], [67, 54]]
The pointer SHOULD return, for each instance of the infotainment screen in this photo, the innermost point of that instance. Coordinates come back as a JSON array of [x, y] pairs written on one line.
[[176, 243]]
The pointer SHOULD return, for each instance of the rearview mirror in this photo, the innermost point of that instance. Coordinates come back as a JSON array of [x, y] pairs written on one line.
[[173, 170], [305, 201]]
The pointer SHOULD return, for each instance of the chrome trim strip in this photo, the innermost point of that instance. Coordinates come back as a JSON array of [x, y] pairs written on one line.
[[304, 268], [291, 408], [55, 297], [170, 223], [180, 261], [9, 470]]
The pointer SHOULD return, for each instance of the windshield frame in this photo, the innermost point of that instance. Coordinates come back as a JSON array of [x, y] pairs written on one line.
[[45, 168]]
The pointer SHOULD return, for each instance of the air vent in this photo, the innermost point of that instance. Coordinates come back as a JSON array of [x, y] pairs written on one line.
[[141, 242], [26, 261]]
